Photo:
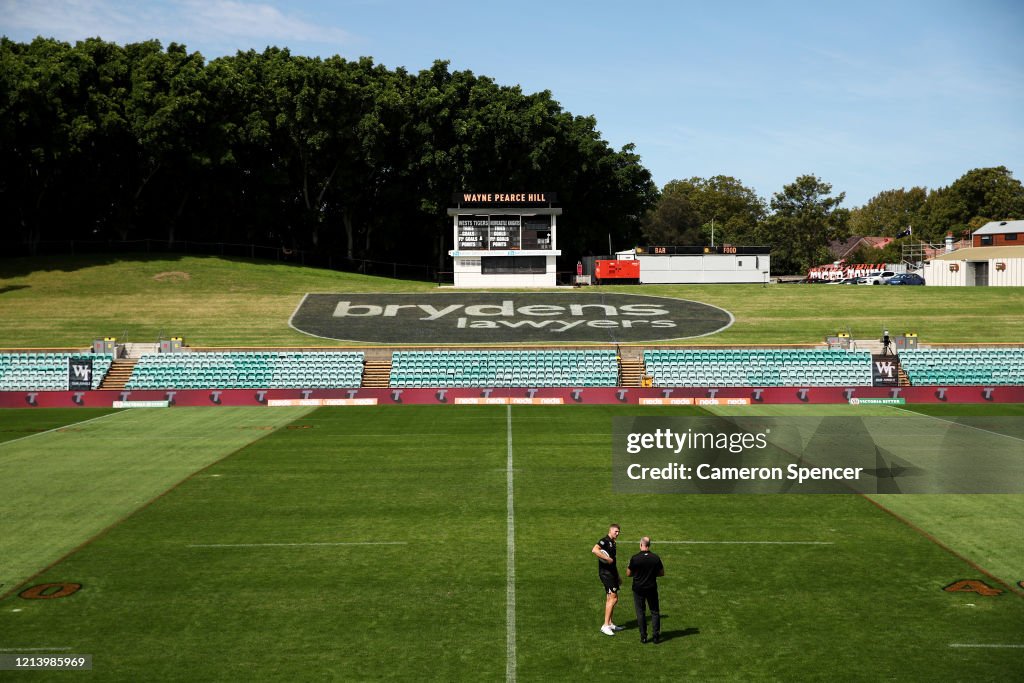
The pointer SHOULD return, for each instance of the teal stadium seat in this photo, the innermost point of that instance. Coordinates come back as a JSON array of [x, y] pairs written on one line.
[[756, 367], [33, 371], [249, 370], [993, 366], [503, 368]]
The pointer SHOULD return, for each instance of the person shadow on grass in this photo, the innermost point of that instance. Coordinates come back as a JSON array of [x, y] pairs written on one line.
[[665, 635]]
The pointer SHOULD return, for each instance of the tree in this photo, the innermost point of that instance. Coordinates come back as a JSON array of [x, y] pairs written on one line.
[[990, 194], [804, 220], [889, 213], [977, 197], [335, 156], [675, 220], [165, 119], [41, 121], [690, 210]]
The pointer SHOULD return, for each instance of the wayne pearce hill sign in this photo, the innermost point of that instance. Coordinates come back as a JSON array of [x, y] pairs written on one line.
[[509, 317]]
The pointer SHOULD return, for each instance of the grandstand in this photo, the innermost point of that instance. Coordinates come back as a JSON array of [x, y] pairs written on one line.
[[46, 371], [248, 370], [506, 368], [549, 368], [1000, 366], [759, 368]]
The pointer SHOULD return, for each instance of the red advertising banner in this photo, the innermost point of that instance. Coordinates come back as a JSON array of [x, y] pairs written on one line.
[[516, 396]]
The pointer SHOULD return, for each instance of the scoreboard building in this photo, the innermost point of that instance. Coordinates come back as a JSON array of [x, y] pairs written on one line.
[[504, 239]]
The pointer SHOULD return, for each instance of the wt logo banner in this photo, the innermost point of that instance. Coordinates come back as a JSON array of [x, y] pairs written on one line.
[[885, 371], [79, 374]]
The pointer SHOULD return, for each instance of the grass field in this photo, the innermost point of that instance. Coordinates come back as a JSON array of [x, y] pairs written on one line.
[[68, 301], [375, 543]]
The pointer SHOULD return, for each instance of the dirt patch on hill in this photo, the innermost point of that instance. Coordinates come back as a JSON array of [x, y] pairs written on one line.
[[172, 276]]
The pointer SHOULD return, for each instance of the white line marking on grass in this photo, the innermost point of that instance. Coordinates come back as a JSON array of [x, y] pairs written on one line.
[[290, 545], [958, 424], [1015, 647], [510, 582], [57, 429], [657, 542], [34, 649]]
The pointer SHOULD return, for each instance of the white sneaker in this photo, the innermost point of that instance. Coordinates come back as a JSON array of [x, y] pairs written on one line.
[[617, 628], [607, 630]]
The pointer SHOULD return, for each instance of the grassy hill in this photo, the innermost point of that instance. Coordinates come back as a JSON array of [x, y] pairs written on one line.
[[69, 300]]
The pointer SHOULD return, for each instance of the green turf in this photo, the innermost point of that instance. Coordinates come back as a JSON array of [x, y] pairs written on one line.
[[60, 488], [429, 603], [18, 424], [975, 526], [67, 301]]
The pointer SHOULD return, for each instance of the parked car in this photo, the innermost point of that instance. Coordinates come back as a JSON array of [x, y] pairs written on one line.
[[847, 281], [879, 279], [906, 279]]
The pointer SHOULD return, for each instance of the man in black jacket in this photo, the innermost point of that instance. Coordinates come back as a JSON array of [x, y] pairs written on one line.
[[645, 567]]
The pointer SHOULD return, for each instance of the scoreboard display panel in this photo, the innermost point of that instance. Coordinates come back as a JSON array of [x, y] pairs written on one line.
[[497, 232], [472, 232]]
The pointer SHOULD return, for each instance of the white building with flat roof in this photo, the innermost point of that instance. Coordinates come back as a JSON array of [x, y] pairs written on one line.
[[505, 240], [976, 267], [723, 264]]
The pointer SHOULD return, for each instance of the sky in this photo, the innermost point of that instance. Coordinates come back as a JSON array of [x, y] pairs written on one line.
[[867, 96]]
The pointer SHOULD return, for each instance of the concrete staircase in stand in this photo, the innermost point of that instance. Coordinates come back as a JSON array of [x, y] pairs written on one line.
[[119, 373], [377, 374], [631, 370]]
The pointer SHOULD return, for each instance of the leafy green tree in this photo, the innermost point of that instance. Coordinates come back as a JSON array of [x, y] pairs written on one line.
[[889, 213], [42, 123], [339, 157], [805, 218], [165, 113], [675, 220], [977, 197], [696, 210], [990, 194]]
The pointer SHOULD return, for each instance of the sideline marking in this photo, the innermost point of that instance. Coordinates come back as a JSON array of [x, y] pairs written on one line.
[[290, 545], [510, 581], [144, 505], [34, 649], [928, 536], [985, 645], [1009, 585], [57, 429], [959, 424], [742, 542]]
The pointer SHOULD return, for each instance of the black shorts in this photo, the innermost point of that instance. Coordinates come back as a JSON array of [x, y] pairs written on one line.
[[611, 582]]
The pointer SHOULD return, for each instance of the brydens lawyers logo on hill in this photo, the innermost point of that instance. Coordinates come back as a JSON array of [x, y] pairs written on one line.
[[508, 315], [504, 317]]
